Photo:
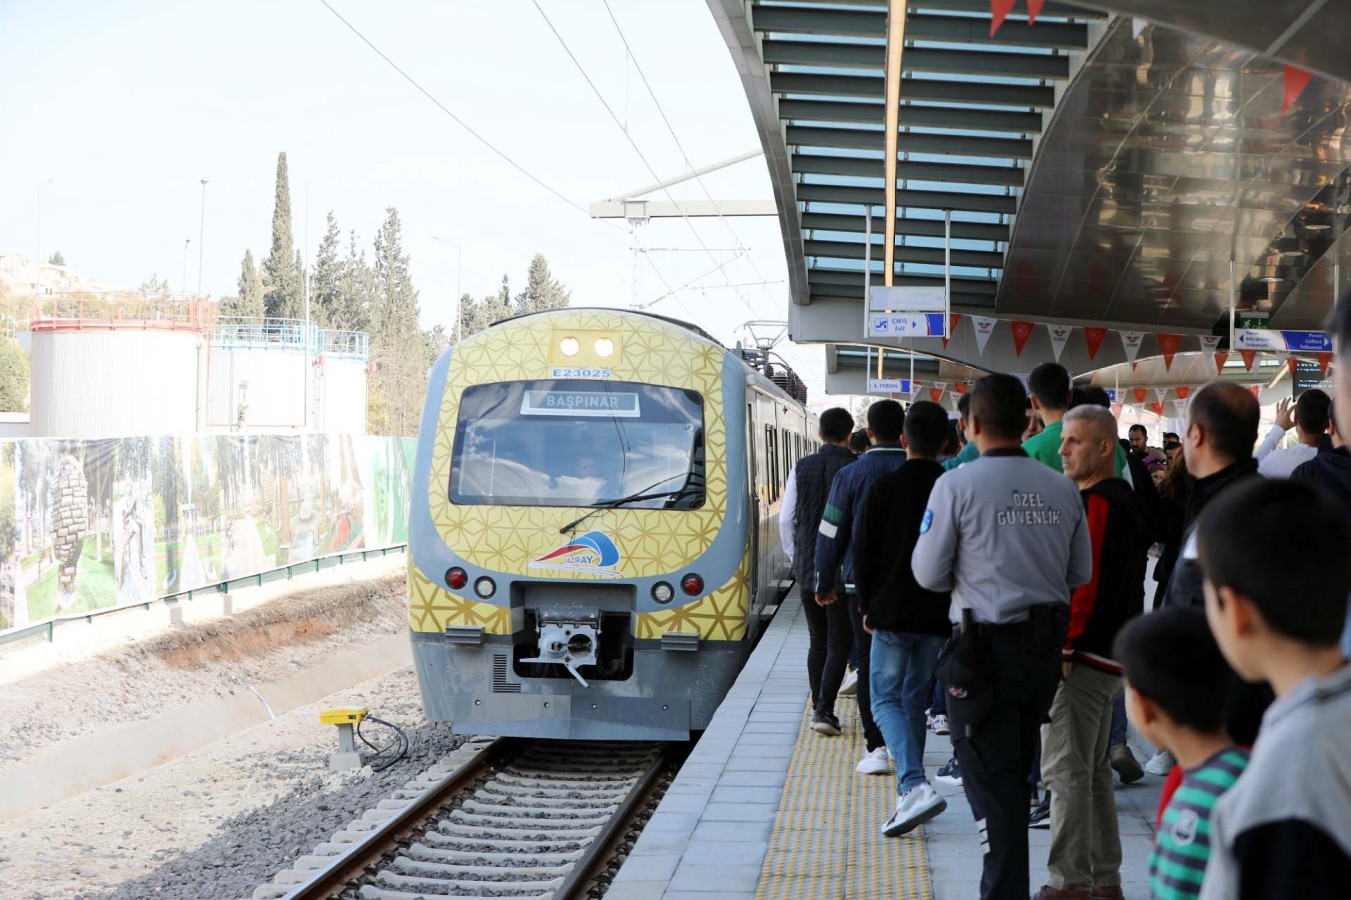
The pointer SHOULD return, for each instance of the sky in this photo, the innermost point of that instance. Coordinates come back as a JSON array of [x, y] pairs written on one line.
[[114, 111]]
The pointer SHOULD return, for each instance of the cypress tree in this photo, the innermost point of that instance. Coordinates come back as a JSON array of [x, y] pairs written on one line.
[[283, 300], [249, 300], [326, 283]]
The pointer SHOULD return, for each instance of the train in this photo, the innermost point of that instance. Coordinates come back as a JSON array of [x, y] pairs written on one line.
[[593, 528]]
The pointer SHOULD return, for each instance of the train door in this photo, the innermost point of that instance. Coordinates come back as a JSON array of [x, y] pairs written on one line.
[[752, 479]]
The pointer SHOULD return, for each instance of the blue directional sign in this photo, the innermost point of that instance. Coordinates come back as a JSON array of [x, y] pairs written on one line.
[[1283, 341], [888, 385], [903, 325]]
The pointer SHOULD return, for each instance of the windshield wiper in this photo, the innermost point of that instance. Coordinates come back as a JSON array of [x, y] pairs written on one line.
[[631, 498]]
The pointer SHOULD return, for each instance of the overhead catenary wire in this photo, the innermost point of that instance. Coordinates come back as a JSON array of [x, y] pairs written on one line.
[[459, 121], [675, 137], [634, 144]]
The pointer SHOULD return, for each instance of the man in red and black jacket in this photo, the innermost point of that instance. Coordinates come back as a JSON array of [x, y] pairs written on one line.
[[1085, 855]]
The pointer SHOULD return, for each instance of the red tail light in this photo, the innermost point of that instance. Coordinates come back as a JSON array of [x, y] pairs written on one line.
[[692, 584], [457, 577]]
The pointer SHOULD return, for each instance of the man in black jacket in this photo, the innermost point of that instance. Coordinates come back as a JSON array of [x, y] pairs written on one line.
[[1085, 855], [829, 628], [908, 623]]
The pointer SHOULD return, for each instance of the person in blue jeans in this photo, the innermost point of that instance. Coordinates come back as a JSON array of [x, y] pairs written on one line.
[[909, 624]]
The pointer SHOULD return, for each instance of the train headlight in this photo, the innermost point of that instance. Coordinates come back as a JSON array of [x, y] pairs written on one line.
[[569, 346], [662, 592], [692, 584], [605, 347], [457, 578], [484, 587]]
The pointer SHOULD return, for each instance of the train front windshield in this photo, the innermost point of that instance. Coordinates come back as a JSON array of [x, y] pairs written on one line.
[[579, 443]]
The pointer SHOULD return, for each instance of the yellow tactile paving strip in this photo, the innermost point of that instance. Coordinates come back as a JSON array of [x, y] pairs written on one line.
[[827, 842]]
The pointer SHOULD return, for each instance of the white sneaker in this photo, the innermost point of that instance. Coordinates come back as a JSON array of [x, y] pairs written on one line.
[[1161, 764], [875, 763], [849, 687], [913, 808], [940, 724]]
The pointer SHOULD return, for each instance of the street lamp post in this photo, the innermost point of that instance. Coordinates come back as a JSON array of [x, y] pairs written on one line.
[[183, 283], [458, 272], [201, 239], [37, 252]]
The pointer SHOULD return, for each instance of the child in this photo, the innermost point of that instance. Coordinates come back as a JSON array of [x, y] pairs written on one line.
[[1277, 572], [1176, 688]]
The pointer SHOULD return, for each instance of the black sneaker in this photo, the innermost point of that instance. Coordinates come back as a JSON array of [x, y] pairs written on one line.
[[1041, 816], [825, 723], [950, 773]]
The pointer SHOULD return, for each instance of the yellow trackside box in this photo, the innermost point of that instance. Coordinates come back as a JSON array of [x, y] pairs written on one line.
[[341, 716]]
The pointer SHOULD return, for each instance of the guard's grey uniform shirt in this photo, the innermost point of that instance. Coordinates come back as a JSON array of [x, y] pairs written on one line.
[[1003, 533]]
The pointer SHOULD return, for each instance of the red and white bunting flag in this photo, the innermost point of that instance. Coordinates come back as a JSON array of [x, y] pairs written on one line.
[[999, 11], [1293, 363], [1034, 10], [1131, 341], [1160, 393], [1093, 337], [953, 319], [1060, 335], [1221, 357], [936, 394], [1256, 391], [1140, 395], [1179, 408], [1182, 392], [1021, 332], [1295, 81], [1324, 360], [1248, 357], [1210, 343], [984, 327], [1157, 406], [1116, 409], [1168, 344], [962, 387]]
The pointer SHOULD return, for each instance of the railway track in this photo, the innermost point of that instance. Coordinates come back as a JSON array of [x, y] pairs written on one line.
[[536, 819]]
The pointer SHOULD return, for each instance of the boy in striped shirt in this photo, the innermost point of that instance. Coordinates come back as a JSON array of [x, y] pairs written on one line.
[[1177, 688]]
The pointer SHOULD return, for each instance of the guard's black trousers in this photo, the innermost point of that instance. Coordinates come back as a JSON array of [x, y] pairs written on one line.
[[995, 761]]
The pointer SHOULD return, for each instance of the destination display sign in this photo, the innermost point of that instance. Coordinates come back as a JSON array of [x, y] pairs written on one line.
[[1287, 341], [580, 403]]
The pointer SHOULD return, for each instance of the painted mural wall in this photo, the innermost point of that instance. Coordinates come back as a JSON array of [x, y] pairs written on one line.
[[92, 524]]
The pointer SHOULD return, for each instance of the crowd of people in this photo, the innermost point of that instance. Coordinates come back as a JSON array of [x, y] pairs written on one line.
[[988, 581]]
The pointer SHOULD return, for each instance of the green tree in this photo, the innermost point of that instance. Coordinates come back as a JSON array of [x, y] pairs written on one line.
[[249, 300], [326, 282], [400, 351], [283, 297], [57, 259], [13, 376], [155, 286], [300, 281], [394, 309], [351, 310], [542, 290]]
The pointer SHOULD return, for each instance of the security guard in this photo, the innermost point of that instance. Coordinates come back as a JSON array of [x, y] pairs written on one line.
[[1006, 535]]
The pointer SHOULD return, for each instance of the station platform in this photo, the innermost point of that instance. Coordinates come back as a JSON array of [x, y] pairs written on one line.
[[766, 809]]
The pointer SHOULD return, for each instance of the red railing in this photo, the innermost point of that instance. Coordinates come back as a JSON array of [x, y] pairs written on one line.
[[121, 311]]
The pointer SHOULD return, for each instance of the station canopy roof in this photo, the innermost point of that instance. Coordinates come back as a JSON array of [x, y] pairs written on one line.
[[1101, 171]]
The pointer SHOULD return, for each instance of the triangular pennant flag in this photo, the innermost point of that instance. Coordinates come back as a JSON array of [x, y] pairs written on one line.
[[1221, 357], [1160, 393], [984, 328], [1293, 363], [1157, 406], [1060, 335], [1168, 344], [1179, 408], [962, 387], [999, 11], [1034, 10], [1138, 26], [1140, 395], [1093, 337], [1210, 343], [1296, 79], [953, 319], [1324, 360], [1131, 341], [1248, 357], [1116, 409], [1021, 332], [1256, 391], [935, 394], [1182, 392]]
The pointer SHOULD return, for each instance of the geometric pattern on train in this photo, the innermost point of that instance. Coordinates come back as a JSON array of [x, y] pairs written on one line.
[[721, 616], [651, 542], [432, 609]]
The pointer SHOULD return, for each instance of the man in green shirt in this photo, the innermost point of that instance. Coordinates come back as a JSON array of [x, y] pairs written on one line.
[[1051, 391]]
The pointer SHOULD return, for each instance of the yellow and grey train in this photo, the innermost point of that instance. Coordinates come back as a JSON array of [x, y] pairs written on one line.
[[594, 524]]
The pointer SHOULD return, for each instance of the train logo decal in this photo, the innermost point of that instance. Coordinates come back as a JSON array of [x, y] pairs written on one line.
[[593, 552]]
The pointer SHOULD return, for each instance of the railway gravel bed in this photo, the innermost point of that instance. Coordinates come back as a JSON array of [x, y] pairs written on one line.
[[219, 821]]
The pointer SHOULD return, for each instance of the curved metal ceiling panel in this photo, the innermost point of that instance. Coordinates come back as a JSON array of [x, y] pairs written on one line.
[[1168, 157]]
